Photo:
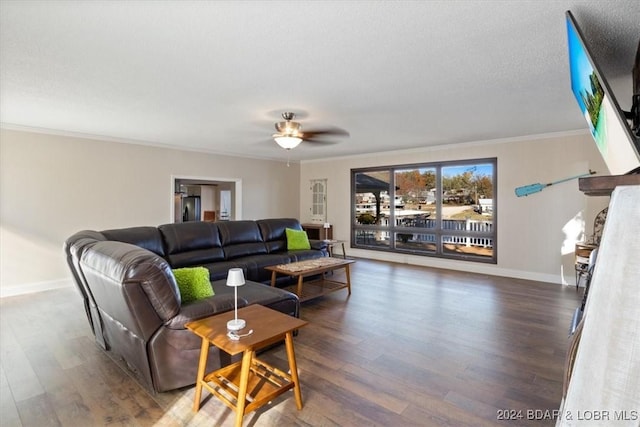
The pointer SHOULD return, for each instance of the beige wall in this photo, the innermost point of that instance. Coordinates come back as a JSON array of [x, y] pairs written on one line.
[[536, 234], [52, 186]]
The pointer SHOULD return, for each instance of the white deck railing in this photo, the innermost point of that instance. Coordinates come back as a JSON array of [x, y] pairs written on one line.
[[447, 225]]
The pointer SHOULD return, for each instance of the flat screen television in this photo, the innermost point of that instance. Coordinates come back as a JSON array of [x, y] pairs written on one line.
[[607, 122]]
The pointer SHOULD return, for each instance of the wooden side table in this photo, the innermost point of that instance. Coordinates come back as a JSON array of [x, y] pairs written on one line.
[[317, 231], [247, 385], [330, 245]]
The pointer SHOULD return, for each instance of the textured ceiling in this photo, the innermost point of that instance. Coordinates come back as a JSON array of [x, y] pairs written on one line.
[[214, 76]]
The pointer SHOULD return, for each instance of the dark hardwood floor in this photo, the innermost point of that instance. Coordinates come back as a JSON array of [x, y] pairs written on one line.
[[411, 346]]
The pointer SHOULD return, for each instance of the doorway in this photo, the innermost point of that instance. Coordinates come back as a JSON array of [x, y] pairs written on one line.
[[205, 199]]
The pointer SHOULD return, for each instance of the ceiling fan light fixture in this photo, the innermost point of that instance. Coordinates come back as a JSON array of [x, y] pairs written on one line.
[[287, 141]]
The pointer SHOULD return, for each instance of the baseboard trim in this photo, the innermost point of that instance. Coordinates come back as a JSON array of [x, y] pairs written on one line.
[[29, 288], [479, 268], [470, 267]]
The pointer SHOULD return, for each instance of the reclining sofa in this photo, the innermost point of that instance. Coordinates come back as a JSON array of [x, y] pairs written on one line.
[[133, 303]]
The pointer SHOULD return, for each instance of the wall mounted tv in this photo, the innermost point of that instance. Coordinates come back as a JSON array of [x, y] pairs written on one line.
[[607, 122]]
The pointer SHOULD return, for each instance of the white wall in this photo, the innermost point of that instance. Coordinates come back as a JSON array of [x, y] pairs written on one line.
[[536, 234], [207, 199], [52, 186]]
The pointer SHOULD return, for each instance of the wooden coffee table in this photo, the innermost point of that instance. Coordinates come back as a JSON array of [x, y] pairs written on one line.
[[247, 385], [313, 267]]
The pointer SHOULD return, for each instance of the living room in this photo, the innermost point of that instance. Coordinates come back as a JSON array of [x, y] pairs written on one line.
[[57, 179]]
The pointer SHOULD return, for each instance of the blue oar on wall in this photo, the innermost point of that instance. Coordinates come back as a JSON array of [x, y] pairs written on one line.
[[525, 190]]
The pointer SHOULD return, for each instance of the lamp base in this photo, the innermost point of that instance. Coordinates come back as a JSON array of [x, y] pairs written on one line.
[[236, 324]]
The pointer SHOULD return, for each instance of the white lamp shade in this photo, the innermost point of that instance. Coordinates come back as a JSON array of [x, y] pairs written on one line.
[[235, 277], [287, 142]]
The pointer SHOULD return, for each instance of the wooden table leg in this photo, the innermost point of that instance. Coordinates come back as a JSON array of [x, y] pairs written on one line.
[[293, 367], [348, 274], [300, 279], [202, 365], [273, 279], [247, 358]]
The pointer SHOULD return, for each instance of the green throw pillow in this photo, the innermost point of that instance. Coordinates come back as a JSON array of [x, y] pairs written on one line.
[[193, 283], [297, 239]]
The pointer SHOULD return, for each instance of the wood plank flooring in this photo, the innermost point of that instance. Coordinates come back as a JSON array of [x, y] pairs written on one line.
[[412, 346]]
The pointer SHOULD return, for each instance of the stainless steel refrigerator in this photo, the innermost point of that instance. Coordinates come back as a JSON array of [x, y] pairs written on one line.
[[191, 208]]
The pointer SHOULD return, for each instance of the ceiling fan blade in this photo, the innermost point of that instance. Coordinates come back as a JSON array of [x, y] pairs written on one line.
[[333, 131], [319, 141]]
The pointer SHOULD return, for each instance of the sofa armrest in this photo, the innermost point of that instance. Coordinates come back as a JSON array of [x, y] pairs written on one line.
[[320, 245], [203, 308]]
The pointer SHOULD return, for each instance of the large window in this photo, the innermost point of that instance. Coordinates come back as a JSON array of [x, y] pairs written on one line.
[[443, 209]]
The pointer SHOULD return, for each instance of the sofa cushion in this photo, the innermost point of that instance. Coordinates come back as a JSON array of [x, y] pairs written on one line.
[[146, 237], [244, 249], [193, 283], [191, 243], [204, 308], [302, 255], [297, 240], [235, 232], [273, 232], [241, 238], [257, 293]]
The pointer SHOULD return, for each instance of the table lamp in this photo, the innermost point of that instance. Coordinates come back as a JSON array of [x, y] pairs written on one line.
[[235, 278]]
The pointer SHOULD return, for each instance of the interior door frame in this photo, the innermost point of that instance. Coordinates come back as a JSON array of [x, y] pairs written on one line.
[[208, 180]]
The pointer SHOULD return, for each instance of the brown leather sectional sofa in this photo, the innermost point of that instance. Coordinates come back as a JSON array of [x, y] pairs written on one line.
[[131, 297]]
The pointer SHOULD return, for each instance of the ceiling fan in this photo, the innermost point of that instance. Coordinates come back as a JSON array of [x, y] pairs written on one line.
[[289, 133]]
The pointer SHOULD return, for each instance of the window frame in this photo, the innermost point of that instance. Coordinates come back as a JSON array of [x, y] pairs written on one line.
[[438, 231]]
